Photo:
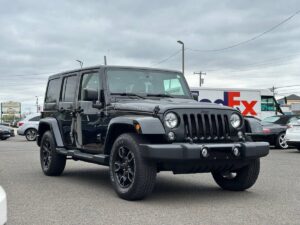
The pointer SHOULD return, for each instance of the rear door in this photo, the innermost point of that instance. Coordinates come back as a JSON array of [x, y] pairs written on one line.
[[66, 106]]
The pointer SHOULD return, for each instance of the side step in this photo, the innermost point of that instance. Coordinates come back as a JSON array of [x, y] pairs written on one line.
[[100, 159]]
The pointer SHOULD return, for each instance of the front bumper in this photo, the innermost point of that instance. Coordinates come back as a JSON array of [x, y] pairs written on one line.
[[293, 143], [218, 151], [4, 135]]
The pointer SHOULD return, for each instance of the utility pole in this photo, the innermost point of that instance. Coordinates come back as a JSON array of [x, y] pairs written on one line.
[[201, 80], [182, 44], [37, 103]]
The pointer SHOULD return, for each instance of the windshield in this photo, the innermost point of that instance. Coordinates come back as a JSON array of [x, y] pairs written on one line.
[[147, 83]]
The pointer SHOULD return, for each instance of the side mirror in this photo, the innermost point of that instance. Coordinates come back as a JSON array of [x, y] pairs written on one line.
[[90, 95], [100, 104], [195, 95]]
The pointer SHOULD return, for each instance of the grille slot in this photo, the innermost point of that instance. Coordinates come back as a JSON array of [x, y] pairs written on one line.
[[200, 127]]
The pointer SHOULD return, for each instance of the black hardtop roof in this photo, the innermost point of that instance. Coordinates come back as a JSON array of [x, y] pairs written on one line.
[[116, 67]]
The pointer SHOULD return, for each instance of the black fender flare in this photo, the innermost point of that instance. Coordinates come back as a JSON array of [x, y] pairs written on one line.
[[51, 124], [252, 126], [149, 125]]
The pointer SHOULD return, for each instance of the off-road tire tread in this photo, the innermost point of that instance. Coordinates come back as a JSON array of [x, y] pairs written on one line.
[[246, 177], [58, 161], [146, 176]]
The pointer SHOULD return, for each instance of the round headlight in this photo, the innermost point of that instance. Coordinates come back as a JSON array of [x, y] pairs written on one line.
[[235, 120], [171, 120]]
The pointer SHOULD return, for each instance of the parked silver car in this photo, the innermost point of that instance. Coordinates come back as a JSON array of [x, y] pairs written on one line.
[[293, 134], [28, 127]]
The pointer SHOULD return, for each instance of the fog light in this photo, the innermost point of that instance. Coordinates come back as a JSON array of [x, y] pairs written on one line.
[[204, 152], [236, 151], [171, 136]]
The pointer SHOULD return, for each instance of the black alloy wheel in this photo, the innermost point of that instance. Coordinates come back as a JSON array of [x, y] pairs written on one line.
[[124, 167]]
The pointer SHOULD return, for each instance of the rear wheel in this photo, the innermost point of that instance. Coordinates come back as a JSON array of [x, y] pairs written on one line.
[[30, 134], [298, 148], [238, 180], [53, 164], [132, 177], [281, 141]]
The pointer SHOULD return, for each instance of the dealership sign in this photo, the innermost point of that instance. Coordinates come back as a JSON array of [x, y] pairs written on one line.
[[10, 107]]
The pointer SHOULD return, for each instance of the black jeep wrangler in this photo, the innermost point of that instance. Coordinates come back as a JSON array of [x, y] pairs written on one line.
[[141, 121]]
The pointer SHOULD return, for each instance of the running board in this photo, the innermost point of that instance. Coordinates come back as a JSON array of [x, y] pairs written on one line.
[[100, 159]]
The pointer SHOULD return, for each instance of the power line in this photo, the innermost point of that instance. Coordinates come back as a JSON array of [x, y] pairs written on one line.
[[166, 59], [248, 40], [260, 65]]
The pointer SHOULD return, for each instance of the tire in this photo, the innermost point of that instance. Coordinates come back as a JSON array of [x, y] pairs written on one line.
[[281, 142], [298, 148], [52, 163], [31, 134], [132, 177], [244, 178]]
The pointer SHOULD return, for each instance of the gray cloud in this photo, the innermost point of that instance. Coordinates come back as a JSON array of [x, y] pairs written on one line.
[[42, 37]]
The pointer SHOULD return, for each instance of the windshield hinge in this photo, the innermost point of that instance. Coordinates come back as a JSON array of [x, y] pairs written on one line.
[[156, 110]]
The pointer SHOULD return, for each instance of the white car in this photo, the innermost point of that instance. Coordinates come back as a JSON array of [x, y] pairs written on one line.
[[293, 134], [3, 207], [28, 127]]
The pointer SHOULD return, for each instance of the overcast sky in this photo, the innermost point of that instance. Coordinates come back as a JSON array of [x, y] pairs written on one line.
[[38, 38]]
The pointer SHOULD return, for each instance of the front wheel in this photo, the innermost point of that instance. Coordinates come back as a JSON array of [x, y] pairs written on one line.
[[238, 180], [53, 164], [132, 177], [281, 141], [31, 134]]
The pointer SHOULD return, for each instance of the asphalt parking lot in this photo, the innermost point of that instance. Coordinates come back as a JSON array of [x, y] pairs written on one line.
[[83, 194]]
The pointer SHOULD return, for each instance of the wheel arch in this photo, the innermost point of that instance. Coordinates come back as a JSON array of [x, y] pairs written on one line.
[[49, 124], [120, 125]]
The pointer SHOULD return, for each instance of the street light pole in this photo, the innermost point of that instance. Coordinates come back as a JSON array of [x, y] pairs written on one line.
[[182, 44], [80, 63]]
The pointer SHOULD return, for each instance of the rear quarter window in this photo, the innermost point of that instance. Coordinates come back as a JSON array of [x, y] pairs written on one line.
[[53, 91], [37, 118]]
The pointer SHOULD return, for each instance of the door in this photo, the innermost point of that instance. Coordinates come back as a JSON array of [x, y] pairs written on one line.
[[89, 120], [66, 107]]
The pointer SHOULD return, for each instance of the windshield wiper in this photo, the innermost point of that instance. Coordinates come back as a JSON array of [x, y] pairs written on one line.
[[161, 95], [128, 94]]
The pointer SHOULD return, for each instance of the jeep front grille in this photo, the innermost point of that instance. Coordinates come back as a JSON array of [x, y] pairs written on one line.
[[201, 127]]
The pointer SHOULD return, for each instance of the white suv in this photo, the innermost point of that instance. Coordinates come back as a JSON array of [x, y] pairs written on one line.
[[293, 134], [28, 127]]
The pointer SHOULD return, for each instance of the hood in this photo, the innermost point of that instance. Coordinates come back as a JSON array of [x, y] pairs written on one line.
[[164, 104], [5, 128], [272, 125]]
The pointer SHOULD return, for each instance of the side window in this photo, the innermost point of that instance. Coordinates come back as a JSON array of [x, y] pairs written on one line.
[[69, 89], [267, 103], [91, 82], [37, 118], [53, 90]]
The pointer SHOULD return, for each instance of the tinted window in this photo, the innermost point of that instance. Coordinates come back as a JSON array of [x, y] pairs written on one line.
[[89, 81], [69, 88], [267, 103], [37, 118], [53, 91]]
